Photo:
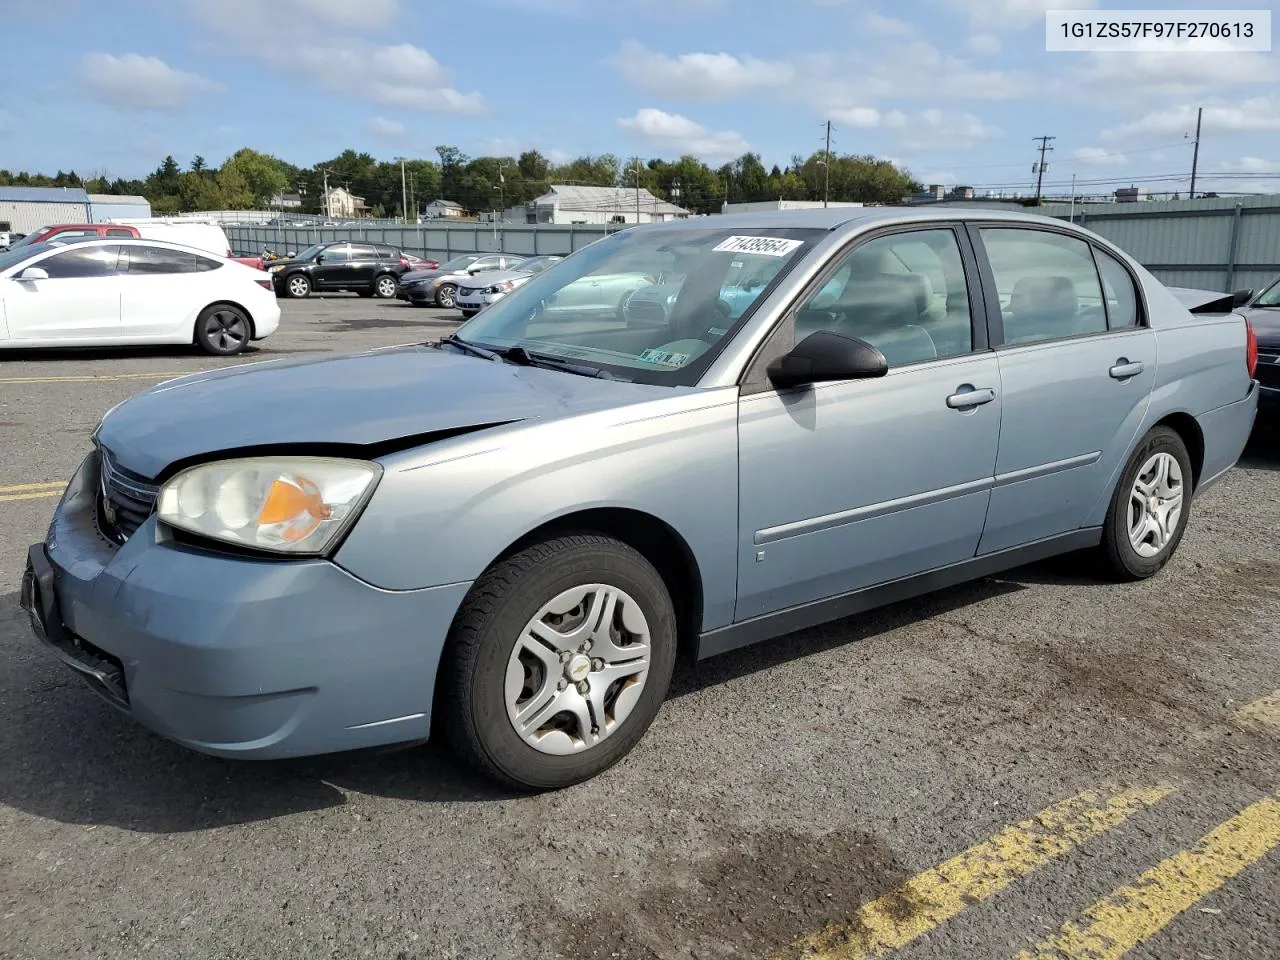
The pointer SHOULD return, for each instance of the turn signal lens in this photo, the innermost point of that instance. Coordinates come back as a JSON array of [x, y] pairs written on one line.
[[1251, 348], [298, 505]]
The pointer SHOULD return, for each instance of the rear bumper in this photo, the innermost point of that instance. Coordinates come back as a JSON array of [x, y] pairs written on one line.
[[231, 656], [1226, 432]]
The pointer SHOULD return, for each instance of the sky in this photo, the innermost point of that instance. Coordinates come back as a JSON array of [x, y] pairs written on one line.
[[953, 90]]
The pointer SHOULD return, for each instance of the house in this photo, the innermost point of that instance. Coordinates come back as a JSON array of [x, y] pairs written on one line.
[[286, 201], [566, 204], [341, 204], [443, 208]]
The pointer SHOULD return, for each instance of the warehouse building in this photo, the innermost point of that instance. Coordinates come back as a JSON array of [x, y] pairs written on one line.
[[23, 209], [108, 206]]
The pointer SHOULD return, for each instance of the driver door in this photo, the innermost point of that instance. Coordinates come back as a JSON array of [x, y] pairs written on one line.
[[849, 484]]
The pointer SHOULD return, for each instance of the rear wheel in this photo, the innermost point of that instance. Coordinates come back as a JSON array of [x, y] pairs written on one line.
[[1149, 508], [222, 330], [446, 296], [558, 662], [298, 285], [385, 286]]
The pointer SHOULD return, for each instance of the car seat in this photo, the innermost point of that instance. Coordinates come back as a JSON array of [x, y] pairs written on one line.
[[1042, 308]]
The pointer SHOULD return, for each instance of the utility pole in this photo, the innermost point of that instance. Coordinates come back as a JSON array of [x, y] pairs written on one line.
[[637, 191], [826, 190], [404, 193], [1041, 167], [1195, 156], [328, 215]]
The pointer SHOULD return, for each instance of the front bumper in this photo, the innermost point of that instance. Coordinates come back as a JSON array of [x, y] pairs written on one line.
[[417, 293], [234, 656], [477, 301]]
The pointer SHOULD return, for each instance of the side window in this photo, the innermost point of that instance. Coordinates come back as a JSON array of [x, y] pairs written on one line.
[[1122, 297], [363, 251], [118, 232], [203, 264], [338, 253], [80, 262], [153, 260], [905, 293], [1047, 284], [386, 253]]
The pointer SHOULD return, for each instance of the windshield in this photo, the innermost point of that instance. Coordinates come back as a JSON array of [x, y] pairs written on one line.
[[653, 305], [459, 263], [310, 252], [29, 239], [535, 264], [1271, 296], [15, 255]]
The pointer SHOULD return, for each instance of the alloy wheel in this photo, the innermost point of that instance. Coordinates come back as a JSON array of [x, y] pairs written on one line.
[[299, 287]]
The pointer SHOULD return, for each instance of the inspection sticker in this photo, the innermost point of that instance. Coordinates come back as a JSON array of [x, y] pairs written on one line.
[[664, 359], [769, 246]]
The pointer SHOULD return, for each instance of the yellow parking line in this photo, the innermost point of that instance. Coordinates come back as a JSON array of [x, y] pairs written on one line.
[[92, 378], [940, 893], [31, 496], [23, 487], [1129, 915], [1265, 711]]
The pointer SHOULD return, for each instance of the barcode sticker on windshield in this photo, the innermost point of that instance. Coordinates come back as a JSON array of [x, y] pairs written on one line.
[[769, 246]]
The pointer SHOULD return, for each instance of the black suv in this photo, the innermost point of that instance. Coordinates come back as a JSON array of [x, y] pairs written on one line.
[[370, 269]]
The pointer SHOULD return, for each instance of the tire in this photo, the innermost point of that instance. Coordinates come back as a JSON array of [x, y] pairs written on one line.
[[490, 663], [366, 293], [222, 330], [1154, 540], [446, 295], [384, 286], [468, 314], [298, 286]]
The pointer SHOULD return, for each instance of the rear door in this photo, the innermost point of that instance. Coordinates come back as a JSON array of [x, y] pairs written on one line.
[[80, 300], [1076, 368], [157, 292], [363, 265]]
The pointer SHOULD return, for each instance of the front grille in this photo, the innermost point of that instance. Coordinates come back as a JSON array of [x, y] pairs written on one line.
[[1268, 369], [125, 499]]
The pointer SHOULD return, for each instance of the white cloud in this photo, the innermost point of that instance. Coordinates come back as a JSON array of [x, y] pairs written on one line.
[[134, 82], [883, 26], [983, 44], [1097, 155], [857, 116], [367, 14], [938, 130], [1136, 77], [673, 131], [1251, 165], [1255, 115], [699, 76], [383, 129], [1010, 15]]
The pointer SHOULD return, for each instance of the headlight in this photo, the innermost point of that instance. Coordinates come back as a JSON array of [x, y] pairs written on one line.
[[275, 268], [295, 505], [502, 287]]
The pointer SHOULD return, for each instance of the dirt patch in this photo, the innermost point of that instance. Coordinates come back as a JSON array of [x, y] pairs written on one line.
[[760, 893], [346, 324]]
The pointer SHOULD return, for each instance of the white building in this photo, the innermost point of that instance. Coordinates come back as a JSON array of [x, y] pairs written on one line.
[[286, 201], [566, 204], [443, 208], [23, 209], [341, 204], [109, 206], [756, 206]]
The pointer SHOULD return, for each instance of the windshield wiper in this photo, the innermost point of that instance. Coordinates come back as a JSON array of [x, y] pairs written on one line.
[[455, 341], [526, 358]]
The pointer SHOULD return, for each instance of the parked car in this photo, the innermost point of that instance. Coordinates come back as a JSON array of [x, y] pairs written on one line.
[[506, 537], [203, 235], [439, 287], [421, 263], [1263, 311], [496, 284], [93, 292], [370, 269]]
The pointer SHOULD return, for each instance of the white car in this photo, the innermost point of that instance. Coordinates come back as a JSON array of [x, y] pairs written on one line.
[[494, 285], [119, 291]]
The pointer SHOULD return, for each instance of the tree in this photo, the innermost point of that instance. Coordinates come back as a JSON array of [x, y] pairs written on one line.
[[234, 188], [534, 166], [198, 165], [264, 175]]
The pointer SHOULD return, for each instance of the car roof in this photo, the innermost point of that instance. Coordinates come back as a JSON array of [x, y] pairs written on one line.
[[832, 218], [128, 242]]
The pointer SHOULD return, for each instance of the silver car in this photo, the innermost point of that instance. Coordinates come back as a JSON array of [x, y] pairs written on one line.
[[507, 538]]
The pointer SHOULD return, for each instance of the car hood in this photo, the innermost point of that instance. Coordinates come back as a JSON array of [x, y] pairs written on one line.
[[490, 277], [352, 401], [1266, 324], [413, 276]]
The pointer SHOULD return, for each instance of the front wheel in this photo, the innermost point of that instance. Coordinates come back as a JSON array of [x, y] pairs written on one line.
[[446, 296], [298, 286], [468, 314], [1149, 508], [222, 330], [385, 286], [558, 661]]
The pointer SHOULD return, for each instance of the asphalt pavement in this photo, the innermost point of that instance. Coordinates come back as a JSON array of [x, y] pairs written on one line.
[[1035, 765]]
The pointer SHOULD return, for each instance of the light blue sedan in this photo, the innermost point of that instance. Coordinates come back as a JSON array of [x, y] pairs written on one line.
[[508, 537]]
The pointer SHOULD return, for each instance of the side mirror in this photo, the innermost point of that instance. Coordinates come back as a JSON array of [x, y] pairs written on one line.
[[319, 258], [34, 273], [825, 356], [1241, 297]]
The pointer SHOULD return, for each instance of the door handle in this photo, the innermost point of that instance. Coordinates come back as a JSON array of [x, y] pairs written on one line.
[[1124, 369], [969, 396]]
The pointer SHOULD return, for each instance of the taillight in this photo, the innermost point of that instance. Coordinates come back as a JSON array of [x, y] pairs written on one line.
[[1251, 348], [264, 284], [404, 262]]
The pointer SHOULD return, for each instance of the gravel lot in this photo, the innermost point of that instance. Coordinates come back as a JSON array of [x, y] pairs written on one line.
[[781, 788]]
